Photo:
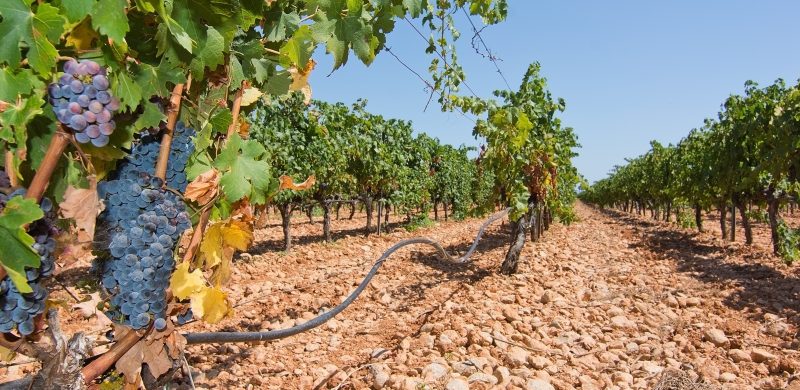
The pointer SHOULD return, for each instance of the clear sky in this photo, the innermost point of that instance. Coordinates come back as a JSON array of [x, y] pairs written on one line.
[[630, 71]]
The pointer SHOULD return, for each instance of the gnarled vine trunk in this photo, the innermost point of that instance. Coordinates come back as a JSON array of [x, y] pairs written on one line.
[[286, 220], [326, 219], [772, 214], [352, 210], [748, 232], [518, 228], [368, 208], [733, 223], [698, 218]]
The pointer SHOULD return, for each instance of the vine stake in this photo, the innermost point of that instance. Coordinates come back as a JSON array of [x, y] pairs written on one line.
[[166, 140]]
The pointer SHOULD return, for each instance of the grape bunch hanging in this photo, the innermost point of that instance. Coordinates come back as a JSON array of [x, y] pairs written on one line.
[[18, 310], [144, 222], [82, 100]]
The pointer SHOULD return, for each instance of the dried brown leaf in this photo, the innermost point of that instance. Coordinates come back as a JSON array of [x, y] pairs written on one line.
[[130, 364], [203, 188], [88, 309], [300, 80], [156, 358], [287, 183], [82, 205]]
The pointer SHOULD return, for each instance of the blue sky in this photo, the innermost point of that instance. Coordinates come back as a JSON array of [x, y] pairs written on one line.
[[630, 71]]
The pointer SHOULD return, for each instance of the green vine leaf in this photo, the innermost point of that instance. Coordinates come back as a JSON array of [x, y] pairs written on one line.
[[17, 244], [38, 30], [245, 173], [110, 19]]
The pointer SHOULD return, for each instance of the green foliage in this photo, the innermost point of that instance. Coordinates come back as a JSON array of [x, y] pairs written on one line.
[[419, 222], [528, 153], [17, 244], [788, 242]]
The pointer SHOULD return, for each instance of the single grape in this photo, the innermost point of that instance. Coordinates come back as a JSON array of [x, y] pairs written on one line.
[[82, 137], [96, 107], [54, 90], [103, 97], [90, 116], [107, 128], [100, 141], [113, 105], [93, 131], [160, 323], [76, 86], [103, 116], [100, 82], [77, 122], [75, 108], [83, 100], [91, 67]]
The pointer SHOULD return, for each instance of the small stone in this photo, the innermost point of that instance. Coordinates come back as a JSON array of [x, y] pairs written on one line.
[[727, 377], [516, 356], [380, 375], [622, 322], [738, 356], [716, 337], [502, 374], [464, 368], [760, 356], [482, 377], [538, 384], [547, 297], [311, 347], [456, 384], [434, 372], [620, 377]]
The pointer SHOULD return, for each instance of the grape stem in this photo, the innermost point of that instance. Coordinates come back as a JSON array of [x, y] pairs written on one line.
[[54, 151], [12, 175], [100, 365], [166, 140], [237, 106]]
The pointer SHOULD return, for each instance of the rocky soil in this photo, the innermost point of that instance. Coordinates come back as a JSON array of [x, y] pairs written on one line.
[[611, 301]]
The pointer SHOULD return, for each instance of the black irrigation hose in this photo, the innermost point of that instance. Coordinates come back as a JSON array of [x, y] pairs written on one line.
[[242, 337]]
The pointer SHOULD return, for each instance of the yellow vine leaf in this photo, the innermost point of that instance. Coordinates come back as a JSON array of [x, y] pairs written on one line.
[[221, 239], [300, 80], [203, 188], [287, 183], [211, 304], [184, 283], [250, 96]]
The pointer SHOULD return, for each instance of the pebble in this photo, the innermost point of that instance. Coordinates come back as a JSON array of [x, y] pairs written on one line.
[[456, 384], [760, 355], [716, 337]]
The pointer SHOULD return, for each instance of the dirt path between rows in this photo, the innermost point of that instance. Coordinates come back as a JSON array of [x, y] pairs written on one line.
[[611, 301]]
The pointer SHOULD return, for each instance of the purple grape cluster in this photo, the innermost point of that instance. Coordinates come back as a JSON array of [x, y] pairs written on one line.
[[81, 100]]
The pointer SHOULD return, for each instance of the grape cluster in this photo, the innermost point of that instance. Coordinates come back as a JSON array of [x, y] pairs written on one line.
[[18, 309], [146, 152], [144, 222], [82, 100]]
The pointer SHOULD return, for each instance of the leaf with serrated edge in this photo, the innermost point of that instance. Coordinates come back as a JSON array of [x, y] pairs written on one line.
[[211, 304], [184, 283], [17, 251]]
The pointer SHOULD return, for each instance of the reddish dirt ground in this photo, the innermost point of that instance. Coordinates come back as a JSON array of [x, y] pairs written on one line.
[[612, 301]]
